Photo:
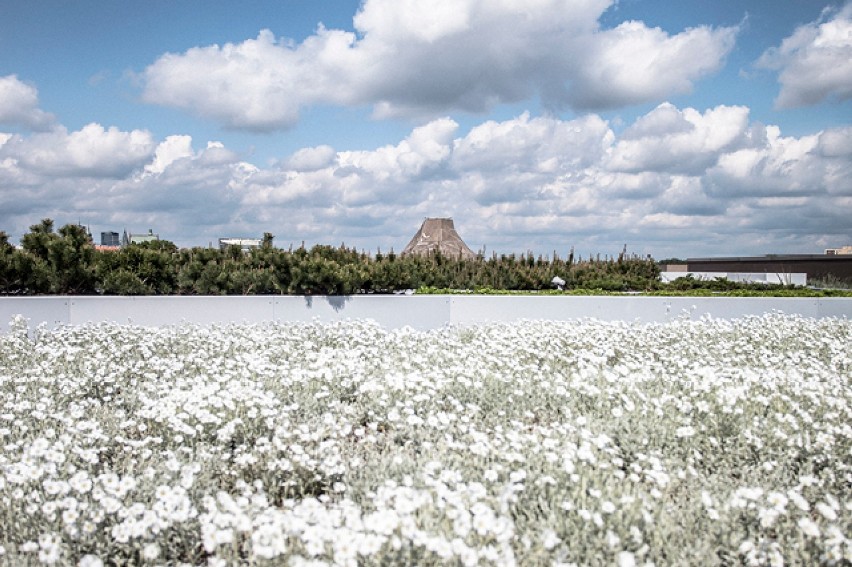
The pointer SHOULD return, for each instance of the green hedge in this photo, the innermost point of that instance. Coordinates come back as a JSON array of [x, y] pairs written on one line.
[[66, 262]]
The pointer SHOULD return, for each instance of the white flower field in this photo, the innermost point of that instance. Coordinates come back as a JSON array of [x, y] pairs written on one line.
[[704, 442]]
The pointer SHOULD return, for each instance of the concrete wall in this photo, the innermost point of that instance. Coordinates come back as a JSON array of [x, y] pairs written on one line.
[[393, 311]]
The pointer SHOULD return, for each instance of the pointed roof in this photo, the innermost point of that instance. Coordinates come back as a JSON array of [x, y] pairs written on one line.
[[438, 235]]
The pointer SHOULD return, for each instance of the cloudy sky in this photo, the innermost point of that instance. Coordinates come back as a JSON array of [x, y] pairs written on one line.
[[676, 128]]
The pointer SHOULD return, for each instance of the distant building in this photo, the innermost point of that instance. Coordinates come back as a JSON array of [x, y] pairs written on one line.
[[245, 244], [815, 266], [129, 238], [438, 235], [842, 251], [786, 278], [110, 239]]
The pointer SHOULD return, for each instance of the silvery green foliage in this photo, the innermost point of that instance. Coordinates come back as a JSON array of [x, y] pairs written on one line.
[[538, 443]]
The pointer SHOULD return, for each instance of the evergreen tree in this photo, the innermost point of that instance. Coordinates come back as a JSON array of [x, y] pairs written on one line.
[[57, 263], [9, 275], [72, 258], [145, 268]]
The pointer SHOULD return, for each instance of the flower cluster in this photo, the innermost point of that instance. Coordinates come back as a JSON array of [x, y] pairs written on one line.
[[538, 442]]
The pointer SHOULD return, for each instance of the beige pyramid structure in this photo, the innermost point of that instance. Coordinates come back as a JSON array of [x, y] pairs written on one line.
[[438, 235]]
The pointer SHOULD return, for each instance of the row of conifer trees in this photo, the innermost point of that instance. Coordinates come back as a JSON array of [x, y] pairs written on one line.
[[66, 262]]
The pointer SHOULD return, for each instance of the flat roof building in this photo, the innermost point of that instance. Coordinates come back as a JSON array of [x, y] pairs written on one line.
[[129, 238], [842, 251], [245, 244], [816, 266]]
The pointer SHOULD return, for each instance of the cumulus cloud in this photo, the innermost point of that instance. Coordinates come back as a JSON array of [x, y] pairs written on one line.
[[633, 63], [836, 142], [416, 59], [195, 188], [525, 157], [259, 84], [534, 144], [168, 151], [425, 148], [815, 62], [92, 151], [784, 166], [19, 105], [311, 159], [675, 180], [682, 141]]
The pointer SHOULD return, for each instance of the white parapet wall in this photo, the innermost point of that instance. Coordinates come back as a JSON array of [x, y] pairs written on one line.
[[421, 312], [742, 277]]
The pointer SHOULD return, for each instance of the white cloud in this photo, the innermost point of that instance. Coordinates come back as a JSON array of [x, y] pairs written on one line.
[[784, 166], [538, 144], [835, 147], [410, 20], [684, 196], [91, 151], [836, 142], [198, 188], [425, 148], [684, 141], [815, 62], [168, 151], [259, 84], [633, 63], [523, 158], [416, 59], [311, 159], [19, 105], [537, 183]]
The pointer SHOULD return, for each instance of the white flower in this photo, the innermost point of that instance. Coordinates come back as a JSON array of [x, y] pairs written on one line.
[[777, 500], [798, 500], [808, 480], [110, 505], [70, 516], [685, 431], [636, 535], [80, 482], [518, 475], [90, 561], [767, 516], [50, 549], [809, 527], [612, 539], [827, 511], [550, 539], [29, 546], [625, 559], [151, 551]]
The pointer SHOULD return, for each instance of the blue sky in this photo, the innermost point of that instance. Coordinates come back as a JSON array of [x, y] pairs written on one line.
[[679, 129]]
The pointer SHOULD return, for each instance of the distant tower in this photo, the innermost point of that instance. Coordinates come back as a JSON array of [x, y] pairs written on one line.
[[438, 235]]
